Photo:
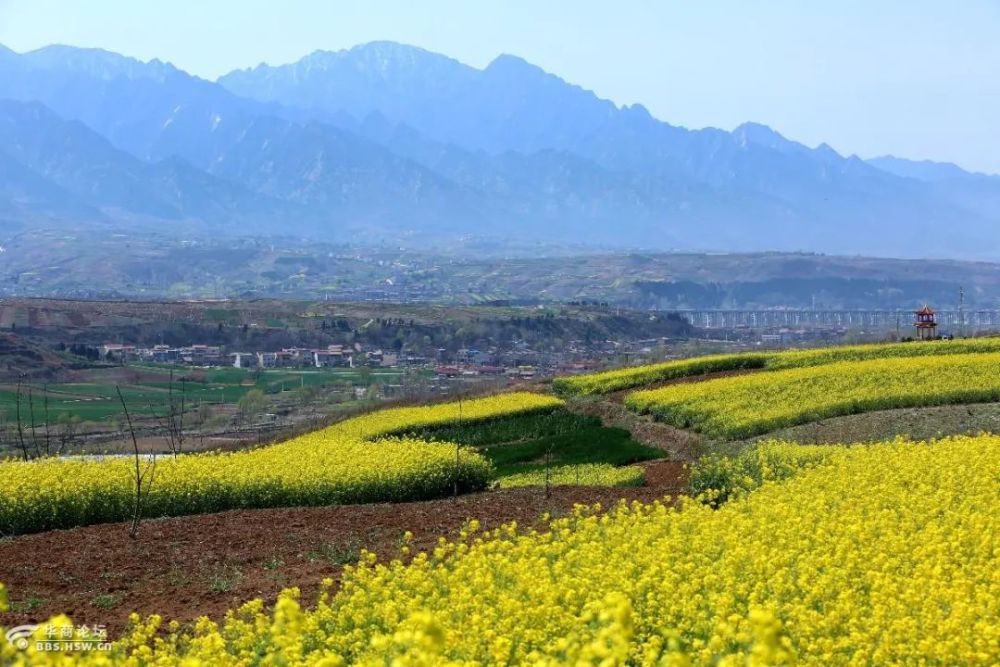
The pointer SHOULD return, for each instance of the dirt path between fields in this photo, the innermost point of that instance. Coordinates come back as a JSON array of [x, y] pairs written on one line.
[[678, 444]]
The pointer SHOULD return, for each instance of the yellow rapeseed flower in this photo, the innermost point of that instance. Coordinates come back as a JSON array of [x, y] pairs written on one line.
[[875, 555], [354, 461], [748, 405]]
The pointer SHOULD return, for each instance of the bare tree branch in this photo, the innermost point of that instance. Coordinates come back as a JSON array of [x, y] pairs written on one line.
[[20, 424], [140, 472], [31, 414], [45, 398]]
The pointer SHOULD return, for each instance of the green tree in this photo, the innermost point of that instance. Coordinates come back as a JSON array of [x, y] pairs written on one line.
[[305, 395], [251, 405]]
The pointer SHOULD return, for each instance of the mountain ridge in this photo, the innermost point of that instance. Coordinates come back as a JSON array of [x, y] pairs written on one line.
[[387, 141], [925, 170]]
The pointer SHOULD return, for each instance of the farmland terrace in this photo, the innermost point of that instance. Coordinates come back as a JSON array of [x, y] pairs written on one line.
[[702, 427]]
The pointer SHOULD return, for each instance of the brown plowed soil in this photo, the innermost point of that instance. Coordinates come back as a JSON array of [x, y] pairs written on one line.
[[669, 476], [186, 567]]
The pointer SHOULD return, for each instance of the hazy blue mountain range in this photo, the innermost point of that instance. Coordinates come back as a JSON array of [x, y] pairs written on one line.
[[393, 143], [975, 192]]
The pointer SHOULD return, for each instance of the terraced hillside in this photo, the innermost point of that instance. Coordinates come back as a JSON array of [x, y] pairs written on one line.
[[641, 376], [775, 552]]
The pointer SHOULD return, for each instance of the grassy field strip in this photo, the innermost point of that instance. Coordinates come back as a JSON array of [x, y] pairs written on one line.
[[639, 376], [578, 448], [746, 406], [147, 388], [336, 465]]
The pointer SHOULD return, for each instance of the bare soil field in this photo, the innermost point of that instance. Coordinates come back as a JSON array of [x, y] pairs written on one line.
[[186, 567], [915, 423]]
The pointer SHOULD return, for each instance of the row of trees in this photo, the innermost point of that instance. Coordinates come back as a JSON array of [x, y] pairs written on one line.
[[30, 429]]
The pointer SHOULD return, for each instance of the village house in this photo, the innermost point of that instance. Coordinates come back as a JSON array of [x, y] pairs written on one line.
[[164, 354], [244, 359], [118, 352], [202, 355], [381, 359], [334, 356]]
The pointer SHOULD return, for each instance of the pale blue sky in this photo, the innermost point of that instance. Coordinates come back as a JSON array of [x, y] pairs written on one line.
[[918, 78]]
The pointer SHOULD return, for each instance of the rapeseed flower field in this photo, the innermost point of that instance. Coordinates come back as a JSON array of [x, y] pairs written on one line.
[[839, 353], [749, 405], [882, 554], [788, 554], [638, 376], [354, 461], [718, 478], [586, 474]]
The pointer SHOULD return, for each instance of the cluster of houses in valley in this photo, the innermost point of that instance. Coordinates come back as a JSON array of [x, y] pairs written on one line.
[[514, 362], [332, 356], [466, 363]]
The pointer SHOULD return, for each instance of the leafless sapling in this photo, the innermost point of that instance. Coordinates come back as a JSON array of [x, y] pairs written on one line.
[[143, 474], [48, 440], [20, 423]]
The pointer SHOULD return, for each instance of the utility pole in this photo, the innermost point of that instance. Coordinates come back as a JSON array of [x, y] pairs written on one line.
[[961, 311], [458, 447]]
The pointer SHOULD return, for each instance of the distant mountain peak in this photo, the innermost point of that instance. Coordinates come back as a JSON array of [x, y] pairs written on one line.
[[753, 127], [637, 112], [507, 60], [97, 63], [395, 49], [921, 170], [393, 138], [827, 152], [380, 57], [508, 67], [758, 131], [760, 134]]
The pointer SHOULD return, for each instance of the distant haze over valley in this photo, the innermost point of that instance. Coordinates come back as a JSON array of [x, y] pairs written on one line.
[[391, 144]]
